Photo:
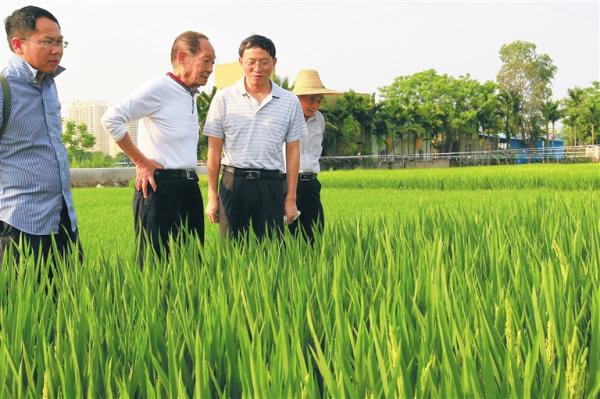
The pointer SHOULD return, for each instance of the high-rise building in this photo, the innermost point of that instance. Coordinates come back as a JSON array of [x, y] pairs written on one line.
[[90, 113], [132, 129]]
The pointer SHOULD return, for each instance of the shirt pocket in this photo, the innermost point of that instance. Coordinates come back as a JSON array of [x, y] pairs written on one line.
[[52, 108], [52, 111], [275, 129]]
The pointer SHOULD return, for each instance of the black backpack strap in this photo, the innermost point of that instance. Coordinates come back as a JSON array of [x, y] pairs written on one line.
[[5, 103]]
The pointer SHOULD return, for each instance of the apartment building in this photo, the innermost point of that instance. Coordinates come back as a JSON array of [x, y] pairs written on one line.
[[90, 113]]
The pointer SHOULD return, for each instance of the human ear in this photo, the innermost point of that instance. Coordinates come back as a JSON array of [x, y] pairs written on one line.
[[181, 57], [17, 45]]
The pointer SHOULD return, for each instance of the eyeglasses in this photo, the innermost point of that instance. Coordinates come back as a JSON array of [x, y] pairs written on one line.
[[48, 44], [262, 63]]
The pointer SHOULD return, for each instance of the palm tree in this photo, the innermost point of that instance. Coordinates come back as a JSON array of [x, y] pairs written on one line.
[[283, 82], [593, 118], [510, 105], [573, 109], [551, 112], [203, 101]]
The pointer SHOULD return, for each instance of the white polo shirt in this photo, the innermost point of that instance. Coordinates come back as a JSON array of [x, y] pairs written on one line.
[[168, 129], [311, 144], [254, 134]]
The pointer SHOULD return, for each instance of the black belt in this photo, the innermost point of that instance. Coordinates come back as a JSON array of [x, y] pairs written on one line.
[[307, 176], [253, 174], [176, 174]]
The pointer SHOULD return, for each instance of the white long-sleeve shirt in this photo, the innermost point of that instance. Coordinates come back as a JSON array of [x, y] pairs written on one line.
[[168, 130]]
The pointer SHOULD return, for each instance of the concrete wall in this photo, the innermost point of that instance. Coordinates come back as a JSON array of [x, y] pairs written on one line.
[[92, 177], [410, 164], [593, 151]]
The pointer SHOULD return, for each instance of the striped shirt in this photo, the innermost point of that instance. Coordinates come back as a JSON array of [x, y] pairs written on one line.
[[168, 130], [253, 134], [311, 144], [34, 169]]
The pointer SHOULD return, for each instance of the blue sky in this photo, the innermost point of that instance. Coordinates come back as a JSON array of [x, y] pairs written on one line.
[[360, 45]]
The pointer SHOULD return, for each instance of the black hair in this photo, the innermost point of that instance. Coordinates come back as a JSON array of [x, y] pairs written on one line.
[[22, 22], [257, 41]]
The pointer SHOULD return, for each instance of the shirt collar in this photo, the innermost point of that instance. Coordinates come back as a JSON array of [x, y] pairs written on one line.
[[315, 116], [192, 92], [240, 87], [28, 71]]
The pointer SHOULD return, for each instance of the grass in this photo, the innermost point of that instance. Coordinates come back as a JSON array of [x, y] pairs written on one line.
[[428, 291]]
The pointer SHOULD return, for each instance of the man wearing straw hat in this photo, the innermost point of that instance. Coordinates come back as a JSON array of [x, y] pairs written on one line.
[[247, 125], [310, 90]]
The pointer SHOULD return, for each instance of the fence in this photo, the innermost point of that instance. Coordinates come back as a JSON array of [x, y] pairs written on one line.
[[90, 177], [498, 157], [82, 177]]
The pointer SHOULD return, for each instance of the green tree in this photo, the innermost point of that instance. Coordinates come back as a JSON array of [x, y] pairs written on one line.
[[203, 101], [591, 112], [283, 82], [551, 112], [350, 122], [510, 106], [76, 138], [574, 112], [440, 108], [527, 75], [122, 160], [351, 133]]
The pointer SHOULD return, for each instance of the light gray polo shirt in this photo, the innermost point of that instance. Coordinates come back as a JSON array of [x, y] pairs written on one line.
[[311, 144], [253, 134]]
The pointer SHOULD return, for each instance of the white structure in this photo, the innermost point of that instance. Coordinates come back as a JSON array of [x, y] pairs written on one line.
[[89, 113]]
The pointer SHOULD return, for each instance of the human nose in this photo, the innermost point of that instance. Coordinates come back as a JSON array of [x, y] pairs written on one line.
[[56, 48]]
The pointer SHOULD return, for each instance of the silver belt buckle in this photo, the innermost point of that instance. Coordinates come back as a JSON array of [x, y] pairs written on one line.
[[189, 174], [251, 174], [307, 177]]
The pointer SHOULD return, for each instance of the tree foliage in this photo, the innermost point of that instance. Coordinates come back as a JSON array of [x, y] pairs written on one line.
[[76, 137], [438, 107], [582, 111], [527, 76], [350, 122], [203, 101], [444, 111]]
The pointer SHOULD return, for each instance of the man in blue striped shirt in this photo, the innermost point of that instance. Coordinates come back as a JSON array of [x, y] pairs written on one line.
[[36, 205]]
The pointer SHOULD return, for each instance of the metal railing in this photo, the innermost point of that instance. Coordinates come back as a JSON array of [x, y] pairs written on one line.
[[496, 157]]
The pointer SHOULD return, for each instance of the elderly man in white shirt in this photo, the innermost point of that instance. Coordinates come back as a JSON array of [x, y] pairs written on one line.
[[310, 90], [167, 196]]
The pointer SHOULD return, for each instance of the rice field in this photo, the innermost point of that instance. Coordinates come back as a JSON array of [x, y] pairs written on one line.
[[473, 282]]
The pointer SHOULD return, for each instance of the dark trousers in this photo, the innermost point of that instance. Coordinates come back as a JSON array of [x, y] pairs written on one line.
[[308, 201], [176, 203], [256, 203], [41, 245]]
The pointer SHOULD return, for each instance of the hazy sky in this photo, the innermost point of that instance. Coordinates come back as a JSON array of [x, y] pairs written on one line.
[[114, 46]]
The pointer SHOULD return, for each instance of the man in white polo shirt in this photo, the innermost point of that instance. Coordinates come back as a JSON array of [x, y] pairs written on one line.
[[249, 123], [167, 193]]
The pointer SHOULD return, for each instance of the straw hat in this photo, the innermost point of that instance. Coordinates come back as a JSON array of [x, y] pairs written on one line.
[[308, 82]]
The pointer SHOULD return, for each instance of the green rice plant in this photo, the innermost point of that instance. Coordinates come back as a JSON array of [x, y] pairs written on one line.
[[407, 293], [534, 176]]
